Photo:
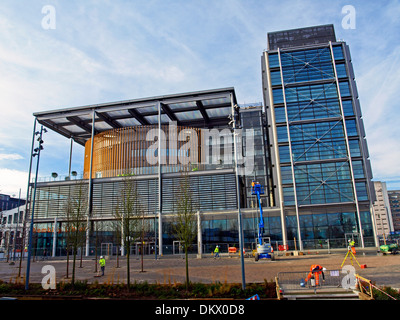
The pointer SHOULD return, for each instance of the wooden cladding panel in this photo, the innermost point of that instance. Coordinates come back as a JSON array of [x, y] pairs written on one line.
[[123, 151]]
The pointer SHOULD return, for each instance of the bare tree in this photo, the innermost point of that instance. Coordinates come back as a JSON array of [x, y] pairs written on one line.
[[185, 222], [127, 216], [76, 224]]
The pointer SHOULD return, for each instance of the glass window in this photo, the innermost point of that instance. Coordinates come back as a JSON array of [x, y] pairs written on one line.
[[348, 108], [362, 193], [351, 128], [358, 169], [354, 148], [284, 154], [274, 222], [282, 133], [334, 219], [273, 60], [291, 222], [189, 115], [344, 89], [277, 95], [306, 220], [280, 115], [306, 65], [323, 183], [288, 196], [365, 218], [341, 70], [338, 52], [286, 175], [275, 78], [219, 112], [349, 221], [320, 220]]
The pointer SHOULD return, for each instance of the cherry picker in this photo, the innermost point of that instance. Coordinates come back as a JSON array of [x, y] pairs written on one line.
[[264, 250]]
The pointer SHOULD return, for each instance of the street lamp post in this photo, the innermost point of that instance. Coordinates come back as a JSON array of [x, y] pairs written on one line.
[[233, 121], [36, 153]]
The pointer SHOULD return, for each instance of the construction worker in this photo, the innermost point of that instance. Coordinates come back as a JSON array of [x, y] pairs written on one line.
[[102, 263], [315, 271], [216, 252], [351, 246]]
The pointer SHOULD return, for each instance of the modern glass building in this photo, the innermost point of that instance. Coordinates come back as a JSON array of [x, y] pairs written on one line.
[[318, 151], [394, 200], [305, 144]]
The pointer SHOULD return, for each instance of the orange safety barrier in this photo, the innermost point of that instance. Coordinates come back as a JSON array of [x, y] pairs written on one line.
[[282, 247], [232, 249]]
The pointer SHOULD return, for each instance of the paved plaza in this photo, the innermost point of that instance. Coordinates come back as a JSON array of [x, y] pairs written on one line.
[[384, 270]]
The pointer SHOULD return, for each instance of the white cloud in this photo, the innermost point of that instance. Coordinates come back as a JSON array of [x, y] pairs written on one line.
[[11, 156], [13, 180]]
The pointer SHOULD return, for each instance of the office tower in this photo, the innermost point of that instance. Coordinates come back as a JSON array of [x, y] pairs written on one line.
[[394, 200], [382, 212], [321, 169]]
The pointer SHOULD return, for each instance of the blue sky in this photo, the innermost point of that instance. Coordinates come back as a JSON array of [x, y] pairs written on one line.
[[103, 51]]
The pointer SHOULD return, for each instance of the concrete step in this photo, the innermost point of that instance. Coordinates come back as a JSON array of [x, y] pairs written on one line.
[[322, 296]]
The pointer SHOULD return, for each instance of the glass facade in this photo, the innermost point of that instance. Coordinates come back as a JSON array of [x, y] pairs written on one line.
[[320, 142], [252, 118], [310, 116]]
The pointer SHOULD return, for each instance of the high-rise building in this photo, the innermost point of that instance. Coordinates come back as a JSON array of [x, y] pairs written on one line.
[[382, 212], [394, 200], [320, 164]]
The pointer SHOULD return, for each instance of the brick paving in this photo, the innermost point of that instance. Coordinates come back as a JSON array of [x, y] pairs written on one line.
[[384, 270]]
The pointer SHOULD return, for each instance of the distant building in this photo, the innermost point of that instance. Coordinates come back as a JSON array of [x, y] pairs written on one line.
[[11, 230], [383, 215], [7, 202], [394, 200]]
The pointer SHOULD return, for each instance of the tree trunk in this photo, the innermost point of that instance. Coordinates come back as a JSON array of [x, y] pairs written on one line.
[[128, 276], [187, 268], [67, 261], [73, 267], [80, 265]]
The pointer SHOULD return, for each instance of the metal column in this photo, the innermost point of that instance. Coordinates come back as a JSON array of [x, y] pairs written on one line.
[[54, 237], [347, 146], [199, 236], [291, 155], [276, 151], [90, 187], [160, 248], [241, 240]]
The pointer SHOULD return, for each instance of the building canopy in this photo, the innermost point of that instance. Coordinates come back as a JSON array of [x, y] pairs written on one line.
[[208, 108]]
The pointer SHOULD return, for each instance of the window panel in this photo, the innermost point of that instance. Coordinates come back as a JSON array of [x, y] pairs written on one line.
[[282, 134], [284, 154], [338, 52], [277, 95], [286, 175], [344, 89], [273, 60], [341, 70], [348, 108]]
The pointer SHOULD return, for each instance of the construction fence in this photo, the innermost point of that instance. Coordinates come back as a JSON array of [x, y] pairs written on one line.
[[304, 281]]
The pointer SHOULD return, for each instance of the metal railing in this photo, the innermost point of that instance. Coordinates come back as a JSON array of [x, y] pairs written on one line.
[[296, 281]]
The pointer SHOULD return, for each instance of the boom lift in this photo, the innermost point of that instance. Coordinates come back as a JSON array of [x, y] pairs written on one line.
[[264, 250]]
